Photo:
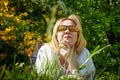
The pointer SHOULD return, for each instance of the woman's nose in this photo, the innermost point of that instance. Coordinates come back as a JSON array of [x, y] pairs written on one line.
[[67, 30]]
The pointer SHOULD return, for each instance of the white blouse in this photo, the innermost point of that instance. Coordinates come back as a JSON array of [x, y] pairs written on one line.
[[46, 55]]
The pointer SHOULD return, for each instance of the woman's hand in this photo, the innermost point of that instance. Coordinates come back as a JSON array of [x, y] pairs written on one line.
[[69, 54], [64, 48]]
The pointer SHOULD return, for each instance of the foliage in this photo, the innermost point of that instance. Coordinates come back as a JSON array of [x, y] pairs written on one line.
[[22, 71], [24, 22], [100, 21]]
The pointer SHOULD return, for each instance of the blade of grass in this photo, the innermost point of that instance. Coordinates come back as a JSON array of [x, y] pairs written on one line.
[[100, 73], [91, 55], [2, 72]]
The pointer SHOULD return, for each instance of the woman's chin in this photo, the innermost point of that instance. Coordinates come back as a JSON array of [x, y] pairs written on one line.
[[69, 42]]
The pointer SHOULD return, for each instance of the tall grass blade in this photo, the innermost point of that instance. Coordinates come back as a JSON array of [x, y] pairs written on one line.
[[91, 55]]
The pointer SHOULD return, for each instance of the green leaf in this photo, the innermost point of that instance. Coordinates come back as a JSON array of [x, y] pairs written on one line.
[[91, 55]]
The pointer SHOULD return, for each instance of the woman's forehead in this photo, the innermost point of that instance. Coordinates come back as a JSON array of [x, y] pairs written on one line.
[[67, 22]]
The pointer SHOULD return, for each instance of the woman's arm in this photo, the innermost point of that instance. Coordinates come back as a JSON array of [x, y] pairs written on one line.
[[39, 61], [89, 71]]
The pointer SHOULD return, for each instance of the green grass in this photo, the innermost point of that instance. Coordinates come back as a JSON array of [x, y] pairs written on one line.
[[20, 71]]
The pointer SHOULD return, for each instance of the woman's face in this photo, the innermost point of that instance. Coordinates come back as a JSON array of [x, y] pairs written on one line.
[[67, 32]]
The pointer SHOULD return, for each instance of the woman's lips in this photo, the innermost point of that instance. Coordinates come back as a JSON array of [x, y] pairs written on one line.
[[67, 37]]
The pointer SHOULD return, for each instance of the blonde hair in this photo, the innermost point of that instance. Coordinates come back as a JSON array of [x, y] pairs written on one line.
[[81, 42]]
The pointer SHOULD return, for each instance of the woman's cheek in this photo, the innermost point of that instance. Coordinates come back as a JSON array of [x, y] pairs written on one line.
[[59, 36]]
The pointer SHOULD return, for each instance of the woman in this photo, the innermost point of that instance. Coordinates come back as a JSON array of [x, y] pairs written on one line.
[[67, 48]]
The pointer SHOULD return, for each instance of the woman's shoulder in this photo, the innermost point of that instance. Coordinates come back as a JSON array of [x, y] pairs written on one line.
[[45, 46], [84, 53], [47, 51]]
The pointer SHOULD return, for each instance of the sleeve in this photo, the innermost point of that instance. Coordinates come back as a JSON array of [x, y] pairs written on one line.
[[41, 60], [89, 70], [90, 67]]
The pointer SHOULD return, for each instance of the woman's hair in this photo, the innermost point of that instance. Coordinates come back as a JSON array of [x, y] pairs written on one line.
[[80, 38]]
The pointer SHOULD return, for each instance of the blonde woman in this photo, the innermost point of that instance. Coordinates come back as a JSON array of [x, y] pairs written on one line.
[[67, 48]]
